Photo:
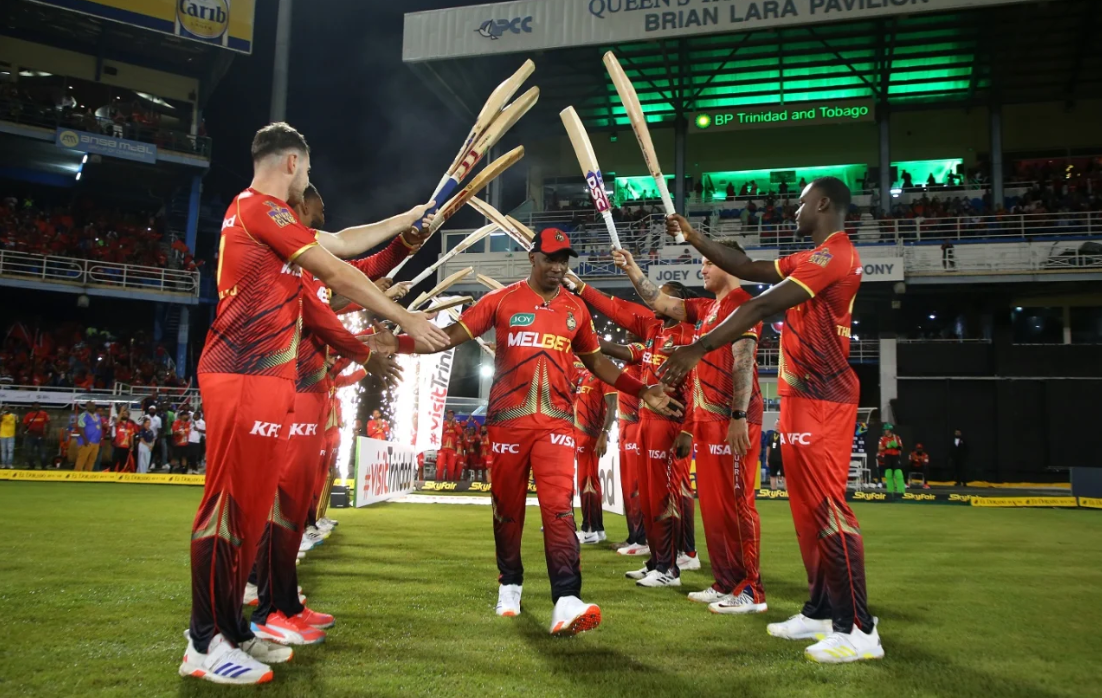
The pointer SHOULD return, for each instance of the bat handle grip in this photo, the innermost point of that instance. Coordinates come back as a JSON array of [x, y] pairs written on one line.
[[443, 190], [667, 204]]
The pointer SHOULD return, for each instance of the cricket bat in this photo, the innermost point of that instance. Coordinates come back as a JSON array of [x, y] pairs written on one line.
[[591, 170]]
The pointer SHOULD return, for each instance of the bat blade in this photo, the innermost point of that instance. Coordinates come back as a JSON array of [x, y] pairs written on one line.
[[630, 99], [481, 180], [464, 245], [591, 170], [500, 220], [450, 303], [493, 106], [441, 287], [489, 282]]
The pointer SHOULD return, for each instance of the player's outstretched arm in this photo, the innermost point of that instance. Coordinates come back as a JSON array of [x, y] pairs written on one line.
[[351, 283], [611, 403], [354, 241], [387, 343], [779, 298], [631, 316], [617, 351], [738, 431], [730, 259], [656, 396], [648, 290]]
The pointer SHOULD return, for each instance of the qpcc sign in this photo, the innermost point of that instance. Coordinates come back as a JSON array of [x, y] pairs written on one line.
[[530, 25], [886, 269]]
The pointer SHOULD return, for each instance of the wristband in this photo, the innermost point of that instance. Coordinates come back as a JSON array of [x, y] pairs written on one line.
[[629, 385], [406, 344]]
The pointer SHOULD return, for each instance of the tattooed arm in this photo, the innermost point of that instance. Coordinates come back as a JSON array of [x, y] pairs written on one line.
[[738, 433], [648, 291]]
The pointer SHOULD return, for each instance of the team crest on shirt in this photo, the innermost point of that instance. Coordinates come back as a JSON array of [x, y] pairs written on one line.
[[280, 214], [668, 344], [821, 257], [571, 323]]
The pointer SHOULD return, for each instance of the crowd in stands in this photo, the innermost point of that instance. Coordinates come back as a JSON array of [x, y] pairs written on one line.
[[72, 356], [86, 232]]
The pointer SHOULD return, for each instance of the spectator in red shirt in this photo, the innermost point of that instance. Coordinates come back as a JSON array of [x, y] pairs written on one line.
[[36, 423], [122, 442]]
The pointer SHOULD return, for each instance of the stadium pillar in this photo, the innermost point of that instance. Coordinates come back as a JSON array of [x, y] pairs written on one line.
[[193, 212], [884, 120], [996, 118], [889, 378], [681, 130], [282, 60], [181, 341]]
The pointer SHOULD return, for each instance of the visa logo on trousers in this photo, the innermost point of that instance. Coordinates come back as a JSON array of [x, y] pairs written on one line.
[[562, 440], [658, 455], [265, 429], [719, 449]]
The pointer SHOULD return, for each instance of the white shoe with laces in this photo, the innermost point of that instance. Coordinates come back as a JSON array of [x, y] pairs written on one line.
[[223, 663], [740, 604], [655, 579], [800, 627], [267, 652], [508, 600], [707, 596], [637, 574], [634, 549], [841, 648], [573, 616], [601, 536], [688, 562], [592, 538]]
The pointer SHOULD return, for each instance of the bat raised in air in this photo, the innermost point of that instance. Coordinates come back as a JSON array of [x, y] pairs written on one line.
[[591, 170], [490, 125], [483, 178], [489, 282], [501, 221], [450, 303], [440, 287], [464, 245], [634, 109]]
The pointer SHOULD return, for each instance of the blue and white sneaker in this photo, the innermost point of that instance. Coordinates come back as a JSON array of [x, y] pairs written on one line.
[[223, 663]]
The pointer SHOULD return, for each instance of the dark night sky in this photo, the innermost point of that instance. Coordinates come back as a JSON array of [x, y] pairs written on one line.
[[380, 141]]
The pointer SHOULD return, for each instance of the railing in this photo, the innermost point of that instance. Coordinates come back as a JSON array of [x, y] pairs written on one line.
[[648, 237], [33, 114], [866, 351], [87, 272], [119, 392]]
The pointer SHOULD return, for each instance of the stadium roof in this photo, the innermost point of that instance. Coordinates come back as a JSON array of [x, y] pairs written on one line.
[[1006, 53]]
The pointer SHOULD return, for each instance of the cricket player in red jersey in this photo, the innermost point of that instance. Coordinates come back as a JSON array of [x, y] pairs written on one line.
[[539, 329], [724, 413], [594, 412], [377, 427], [447, 457], [630, 454], [664, 485], [819, 394], [474, 450], [247, 378]]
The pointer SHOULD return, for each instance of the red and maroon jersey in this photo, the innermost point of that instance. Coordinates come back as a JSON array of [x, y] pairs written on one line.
[[815, 341], [474, 445], [321, 329], [629, 404], [378, 429], [590, 407], [536, 343], [452, 438], [711, 383], [257, 329], [658, 340]]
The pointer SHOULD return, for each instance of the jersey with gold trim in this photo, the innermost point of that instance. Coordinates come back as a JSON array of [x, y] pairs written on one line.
[[536, 342], [629, 404], [711, 384], [590, 407], [258, 325], [816, 337]]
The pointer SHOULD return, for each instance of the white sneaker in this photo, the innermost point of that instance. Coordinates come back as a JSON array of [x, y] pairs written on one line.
[[738, 605], [508, 600], [637, 574], [592, 538], [300, 556], [267, 652], [573, 616], [800, 627], [688, 562], [223, 663], [634, 549], [840, 648], [322, 526], [601, 536], [331, 523], [315, 532], [656, 579], [251, 595], [708, 596], [579, 534], [310, 541]]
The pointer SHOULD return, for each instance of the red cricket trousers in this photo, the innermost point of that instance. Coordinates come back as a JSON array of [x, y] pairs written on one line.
[[681, 484], [549, 455], [732, 529], [630, 454], [816, 443], [247, 431], [446, 461], [589, 482], [661, 513], [277, 576]]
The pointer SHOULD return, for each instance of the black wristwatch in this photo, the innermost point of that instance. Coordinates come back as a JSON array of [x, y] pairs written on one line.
[[738, 414]]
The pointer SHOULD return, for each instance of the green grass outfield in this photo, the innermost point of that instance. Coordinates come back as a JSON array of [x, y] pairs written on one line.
[[996, 603]]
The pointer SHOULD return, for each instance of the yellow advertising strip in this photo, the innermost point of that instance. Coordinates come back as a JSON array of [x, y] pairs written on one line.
[[1090, 502], [1008, 485], [71, 476], [1024, 502]]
